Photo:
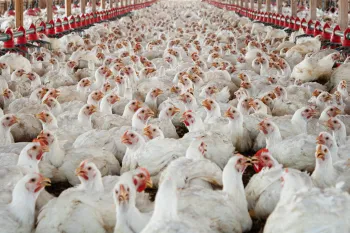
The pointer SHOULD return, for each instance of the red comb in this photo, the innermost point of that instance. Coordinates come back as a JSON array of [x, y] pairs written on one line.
[[145, 171], [263, 150]]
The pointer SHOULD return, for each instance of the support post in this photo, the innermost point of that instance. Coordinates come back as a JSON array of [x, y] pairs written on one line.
[[48, 10], [103, 4], [110, 4], [93, 5], [343, 14], [19, 13], [279, 6], [313, 4], [82, 6], [252, 4], [259, 5], [293, 6], [268, 5], [68, 7]]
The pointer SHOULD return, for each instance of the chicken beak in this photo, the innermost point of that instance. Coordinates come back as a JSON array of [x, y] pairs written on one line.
[[328, 97], [206, 104], [14, 120], [244, 85], [254, 160], [41, 136], [100, 96], [315, 93], [44, 182], [149, 183], [228, 113], [173, 89], [87, 83], [159, 92], [6, 93], [175, 110], [252, 104], [262, 127], [313, 112], [214, 90], [319, 153], [248, 162], [108, 73], [44, 148], [118, 80], [56, 93], [329, 124], [125, 139], [147, 131], [138, 105], [149, 113], [115, 99], [338, 111], [320, 140], [41, 116], [182, 97], [30, 76], [80, 171], [277, 91], [123, 194], [93, 109], [241, 76]]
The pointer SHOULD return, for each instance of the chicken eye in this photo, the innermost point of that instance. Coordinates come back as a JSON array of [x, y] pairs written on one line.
[[47, 115], [143, 111], [307, 110], [335, 122], [34, 147], [89, 168], [268, 124], [132, 135], [211, 102], [7, 118], [32, 180], [48, 135], [116, 192], [327, 138], [88, 107], [325, 150]]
